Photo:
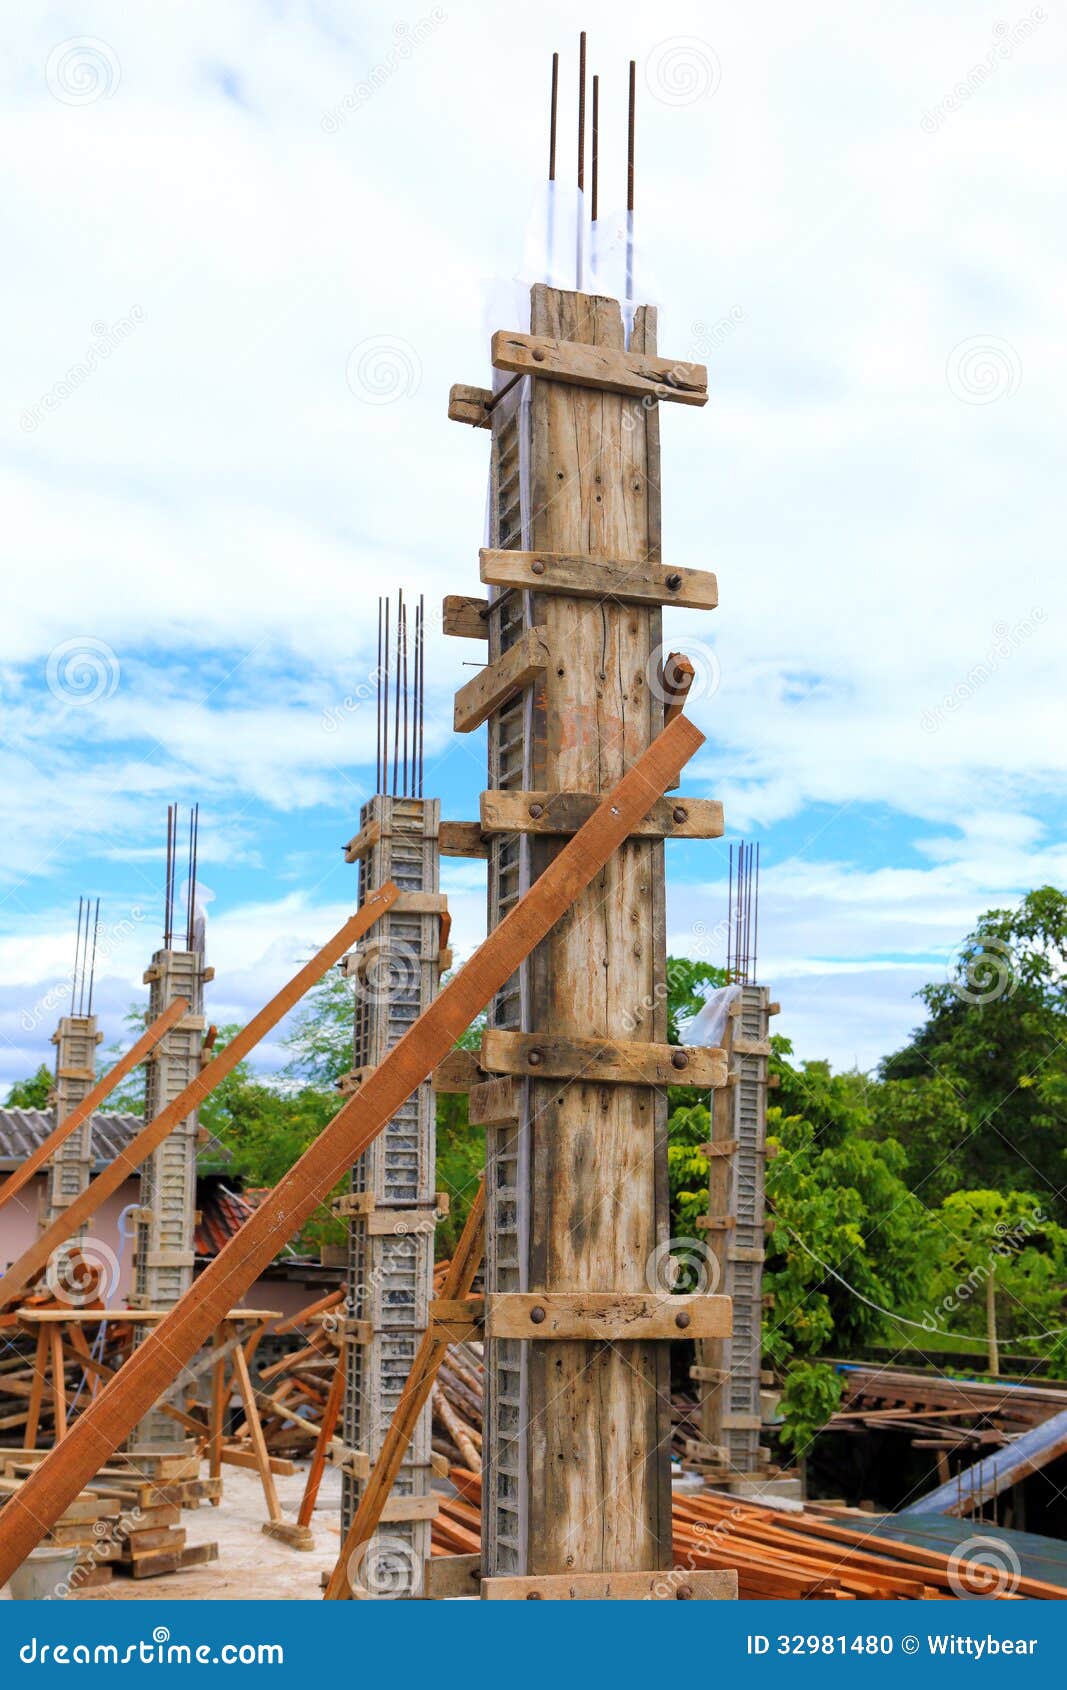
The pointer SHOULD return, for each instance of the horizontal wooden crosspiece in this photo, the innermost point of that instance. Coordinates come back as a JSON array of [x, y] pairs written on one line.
[[636, 374], [521, 664], [470, 405], [602, 1061], [614, 1316], [465, 618], [679, 1585], [565, 812], [628, 580]]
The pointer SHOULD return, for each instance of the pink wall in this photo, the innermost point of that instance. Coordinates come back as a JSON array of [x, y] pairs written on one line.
[[18, 1229]]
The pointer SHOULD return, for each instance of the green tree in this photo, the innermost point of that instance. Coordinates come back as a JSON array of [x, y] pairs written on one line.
[[1001, 1265], [34, 1092], [996, 1035]]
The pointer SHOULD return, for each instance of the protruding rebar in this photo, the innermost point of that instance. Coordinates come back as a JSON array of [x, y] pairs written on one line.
[[595, 159], [92, 956], [630, 147], [77, 953]]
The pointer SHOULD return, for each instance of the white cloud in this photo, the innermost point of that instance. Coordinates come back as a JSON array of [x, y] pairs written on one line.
[[214, 502]]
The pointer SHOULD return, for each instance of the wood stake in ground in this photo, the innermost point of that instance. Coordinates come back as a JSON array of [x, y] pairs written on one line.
[[146, 1375], [76, 1214], [93, 1099], [428, 1358]]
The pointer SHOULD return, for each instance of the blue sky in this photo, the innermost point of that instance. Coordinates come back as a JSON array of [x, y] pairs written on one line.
[[220, 214]]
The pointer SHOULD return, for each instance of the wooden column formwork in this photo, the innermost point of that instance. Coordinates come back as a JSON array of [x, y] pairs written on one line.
[[577, 1433], [391, 1204], [75, 1039], [728, 1368], [166, 1216]]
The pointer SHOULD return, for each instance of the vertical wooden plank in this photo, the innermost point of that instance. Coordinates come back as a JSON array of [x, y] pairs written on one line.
[[218, 1411], [40, 1373], [594, 1493], [59, 1380]]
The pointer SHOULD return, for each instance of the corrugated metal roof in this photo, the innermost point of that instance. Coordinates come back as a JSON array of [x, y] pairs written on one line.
[[22, 1130]]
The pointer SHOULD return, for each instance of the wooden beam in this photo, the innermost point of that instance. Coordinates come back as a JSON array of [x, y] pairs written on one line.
[[92, 1100], [143, 1378], [457, 1072], [566, 812], [676, 678], [364, 842], [140, 1147], [451, 1575], [636, 374], [465, 618], [681, 1585], [609, 1061], [461, 839], [521, 664], [614, 1317], [413, 1398], [628, 580], [493, 1103], [469, 405]]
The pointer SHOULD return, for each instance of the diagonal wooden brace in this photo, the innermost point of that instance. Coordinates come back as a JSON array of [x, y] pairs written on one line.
[[85, 1205], [103, 1425]]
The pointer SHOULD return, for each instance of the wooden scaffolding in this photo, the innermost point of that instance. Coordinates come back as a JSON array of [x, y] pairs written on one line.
[[576, 1060], [391, 1207]]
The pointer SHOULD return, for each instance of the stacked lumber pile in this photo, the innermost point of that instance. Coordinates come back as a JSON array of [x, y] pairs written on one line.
[[778, 1555], [121, 1523], [964, 1416]]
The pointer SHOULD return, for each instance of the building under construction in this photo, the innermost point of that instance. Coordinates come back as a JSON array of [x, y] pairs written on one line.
[[550, 1412]]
